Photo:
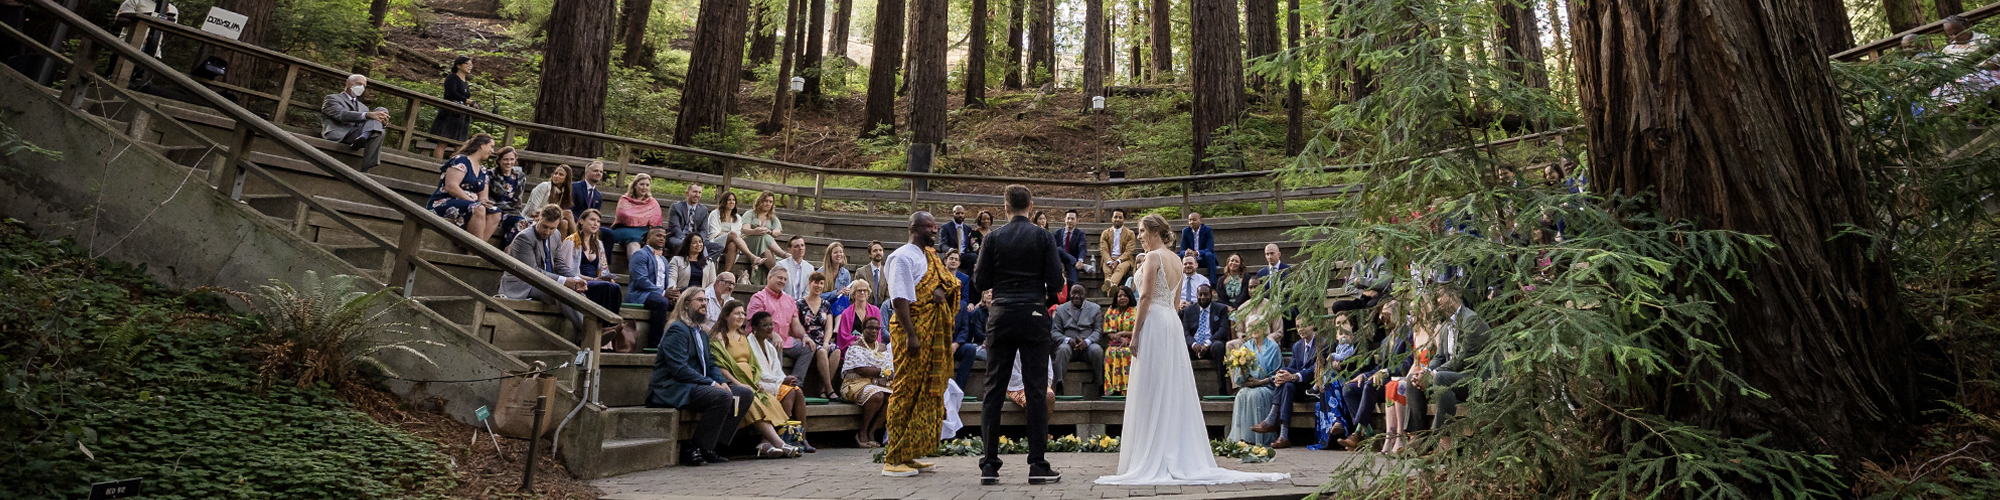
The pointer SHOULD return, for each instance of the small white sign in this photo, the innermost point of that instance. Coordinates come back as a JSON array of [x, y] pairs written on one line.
[[225, 23]]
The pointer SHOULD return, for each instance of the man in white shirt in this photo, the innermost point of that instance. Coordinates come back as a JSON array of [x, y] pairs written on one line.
[[725, 286], [925, 298], [1190, 282], [797, 267]]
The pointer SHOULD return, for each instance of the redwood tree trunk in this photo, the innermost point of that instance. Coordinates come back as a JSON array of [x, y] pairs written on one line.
[[781, 99], [1016, 11], [1295, 136], [1902, 14], [815, 31], [576, 67], [1217, 67], [1260, 33], [1132, 27], [632, 29], [1726, 111], [763, 34], [843, 15], [714, 68], [1521, 38], [1944, 8], [1042, 43], [927, 70], [975, 60], [882, 69], [1093, 50], [243, 69], [1831, 27], [1163, 42]]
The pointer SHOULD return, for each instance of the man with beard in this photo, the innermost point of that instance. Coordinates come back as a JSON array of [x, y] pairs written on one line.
[[925, 298]]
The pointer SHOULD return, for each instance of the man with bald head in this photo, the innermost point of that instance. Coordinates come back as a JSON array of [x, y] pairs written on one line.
[[925, 297], [1273, 278], [344, 119], [1079, 328]]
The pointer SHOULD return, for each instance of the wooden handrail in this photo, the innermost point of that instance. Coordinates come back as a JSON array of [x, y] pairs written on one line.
[[246, 120], [1974, 15]]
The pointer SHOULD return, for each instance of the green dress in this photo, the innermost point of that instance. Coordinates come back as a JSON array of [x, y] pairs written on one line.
[[759, 243]]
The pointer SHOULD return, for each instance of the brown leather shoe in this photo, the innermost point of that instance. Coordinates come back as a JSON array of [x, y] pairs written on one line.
[[1281, 443], [1265, 427], [1352, 441]]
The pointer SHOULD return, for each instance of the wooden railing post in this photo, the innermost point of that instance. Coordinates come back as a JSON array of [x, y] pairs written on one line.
[[625, 164], [1278, 193], [122, 70], [410, 124], [728, 175], [86, 60], [819, 191], [285, 94], [1184, 198], [229, 177], [593, 338], [402, 269], [507, 135]]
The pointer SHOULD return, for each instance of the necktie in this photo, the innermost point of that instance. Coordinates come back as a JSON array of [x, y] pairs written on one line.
[[1201, 334], [1187, 290], [547, 266], [961, 237]]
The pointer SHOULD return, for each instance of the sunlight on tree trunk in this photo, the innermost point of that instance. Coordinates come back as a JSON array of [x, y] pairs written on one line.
[[714, 70], [576, 67]]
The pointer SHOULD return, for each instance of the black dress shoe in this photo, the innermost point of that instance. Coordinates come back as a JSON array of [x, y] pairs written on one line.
[[1043, 474], [713, 458], [989, 474], [692, 458]]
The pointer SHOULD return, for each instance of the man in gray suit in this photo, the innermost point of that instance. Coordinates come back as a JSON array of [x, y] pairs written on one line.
[[537, 249], [344, 119], [689, 217], [1078, 327], [1443, 380]]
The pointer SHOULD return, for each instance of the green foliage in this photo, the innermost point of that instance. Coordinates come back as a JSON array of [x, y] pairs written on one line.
[[109, 375], [11, 144], [332, 32], [326, 329]]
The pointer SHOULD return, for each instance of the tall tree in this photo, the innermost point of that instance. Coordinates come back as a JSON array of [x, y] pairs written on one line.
[[1041, 42], [1260, 33], [1944, 8], [1726, 112], [1016, 11], [927, 71], [763, 32], [1295, 136], [1093, 50], [815, 31], [1161, 15], [975, 59], [714, 69], [1830, 24], [882, 68], [243, 69], [1216, 63], [1132, 28], [1521, 38], [1902, 14], [781, 99], [632, 31], [576, 68], [843, 15]]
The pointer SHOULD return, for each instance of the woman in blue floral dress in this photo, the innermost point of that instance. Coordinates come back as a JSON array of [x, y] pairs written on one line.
[[461, 193]]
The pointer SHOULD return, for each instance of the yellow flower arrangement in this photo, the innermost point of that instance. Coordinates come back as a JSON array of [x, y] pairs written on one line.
[[1239, 361]]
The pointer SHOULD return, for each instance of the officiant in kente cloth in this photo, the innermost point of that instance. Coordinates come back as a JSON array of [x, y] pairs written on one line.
[[925, 296], [1020, 265]]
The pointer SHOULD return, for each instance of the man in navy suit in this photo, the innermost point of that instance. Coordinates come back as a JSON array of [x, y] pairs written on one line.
[[684, 377], [1292, 382], [1073, 245], [1198, 241], [952, 235], [1273, 278], [583, 194]]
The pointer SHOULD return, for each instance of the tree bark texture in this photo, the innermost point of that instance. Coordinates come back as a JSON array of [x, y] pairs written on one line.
[[1902, 14], [1260, 34], [764, 33], [1161, 15], [1726, 111], [882, 68], [1041, 43], [1521, 38], [1093, 50], [975, 60], [1217, 67], [909, 46], [632, 31], [576, 67], [1133, 27], [714, 69], [814, 60], [843, 15], [928, 70], [243, 69], [1558, 33], [781, 99], [1944, 8], [1295, 135], [1016, 12], [1830, 25]]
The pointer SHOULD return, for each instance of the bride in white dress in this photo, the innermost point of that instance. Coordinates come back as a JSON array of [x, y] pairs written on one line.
[[1165, 441]]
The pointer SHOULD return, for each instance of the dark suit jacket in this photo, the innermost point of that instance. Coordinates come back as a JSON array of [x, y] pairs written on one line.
[[1076, 247], [683, 220], [1218, 322], [582, 196], [1033, 273], [1467, 336], [948, 235], [681, 365], [971, 327], [1306, 354], [1202, 241]]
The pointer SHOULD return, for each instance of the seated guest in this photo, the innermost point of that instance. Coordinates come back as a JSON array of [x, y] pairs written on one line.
[[796, 267], [976, 237], [583, 257], [1017, 391], [1233, 288], [1198, 241], [1078, 326], [771, 374], [1365, 390], [537, 249], [953, 261], [651, 282], [583, 194], [731, 348], [461, 195], [1191, 283], [865, 376], [761, 230], [858, 310], [1118, 249], [689, 266], [1462, 335], [1272, 279], [1207, 325], [1074, 247], [1119, 322], [784, 311], [686, 218], [834, 264], [968, 338], [344, 119], [555, 190], [952, 235], [1253, 397], [1330, 418], [685, 377], [815, 317], [637, 212], [725, 231], [1398, 413], [723, 289], [1137, 261], [1295, 378], [506, 193]]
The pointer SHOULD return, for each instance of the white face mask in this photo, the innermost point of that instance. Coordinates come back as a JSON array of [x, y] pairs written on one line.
[[356, 90]]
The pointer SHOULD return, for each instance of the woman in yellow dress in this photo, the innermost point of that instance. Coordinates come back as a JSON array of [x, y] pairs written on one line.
[[731, 349], [1118, 321]]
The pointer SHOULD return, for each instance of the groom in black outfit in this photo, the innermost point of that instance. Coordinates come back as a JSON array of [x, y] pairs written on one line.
[[1019, 264]]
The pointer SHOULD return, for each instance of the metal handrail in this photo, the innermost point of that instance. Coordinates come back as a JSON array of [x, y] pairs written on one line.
[[415, 218]]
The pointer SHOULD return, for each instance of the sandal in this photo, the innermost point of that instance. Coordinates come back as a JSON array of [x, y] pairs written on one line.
[[767, 451]]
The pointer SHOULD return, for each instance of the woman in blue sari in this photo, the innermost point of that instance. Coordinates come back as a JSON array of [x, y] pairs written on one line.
[[1253, 399]]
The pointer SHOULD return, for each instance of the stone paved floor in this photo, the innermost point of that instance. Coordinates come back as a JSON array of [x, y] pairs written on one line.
[[846, 473]]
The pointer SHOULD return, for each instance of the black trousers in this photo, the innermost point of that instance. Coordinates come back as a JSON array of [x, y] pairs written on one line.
[[1016, 331], [1216, 351], [1286, 394], [717, 423]]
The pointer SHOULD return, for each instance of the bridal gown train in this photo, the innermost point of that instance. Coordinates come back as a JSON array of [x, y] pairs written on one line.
[[1165, 441]]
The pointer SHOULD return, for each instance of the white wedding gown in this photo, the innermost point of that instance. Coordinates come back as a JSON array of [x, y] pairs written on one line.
[[1165, 441]]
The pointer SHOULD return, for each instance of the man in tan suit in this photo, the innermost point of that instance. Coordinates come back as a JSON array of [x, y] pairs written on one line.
[[1117, 247]]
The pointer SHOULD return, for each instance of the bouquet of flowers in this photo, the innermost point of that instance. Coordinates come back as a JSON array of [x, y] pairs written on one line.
[[1239, 361]]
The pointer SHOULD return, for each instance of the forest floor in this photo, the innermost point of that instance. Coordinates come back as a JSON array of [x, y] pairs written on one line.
[[484, 471]]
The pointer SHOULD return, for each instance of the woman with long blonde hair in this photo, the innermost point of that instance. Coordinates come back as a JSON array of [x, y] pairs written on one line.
[[761, 230]]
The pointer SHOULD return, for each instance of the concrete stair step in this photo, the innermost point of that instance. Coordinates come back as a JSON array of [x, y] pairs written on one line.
[[641, 423], [630, 455]]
